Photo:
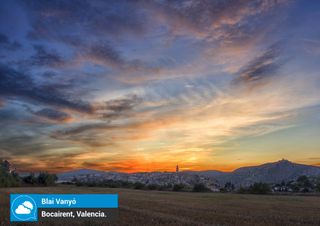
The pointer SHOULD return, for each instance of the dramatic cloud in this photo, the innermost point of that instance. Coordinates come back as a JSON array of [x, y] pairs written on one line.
[[5, 43], [16, 84], [262, 67], [91, 17], [43, 58], [142, 85], [208, 19], [120, 107], [105, 54], [53, 114]]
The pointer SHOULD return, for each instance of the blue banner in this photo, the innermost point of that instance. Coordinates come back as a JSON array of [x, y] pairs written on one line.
[[24, 207]]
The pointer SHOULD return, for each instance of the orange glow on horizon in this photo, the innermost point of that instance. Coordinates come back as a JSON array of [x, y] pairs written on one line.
[[136, 166], [131, 166]]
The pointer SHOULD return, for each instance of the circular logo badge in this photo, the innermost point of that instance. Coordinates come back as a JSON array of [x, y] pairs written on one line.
[[24, 208]]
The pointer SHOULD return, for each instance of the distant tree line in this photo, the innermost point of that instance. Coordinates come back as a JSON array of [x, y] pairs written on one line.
[[10, 178], [199, 187], [256, 188], [43, 179], [301, 184]]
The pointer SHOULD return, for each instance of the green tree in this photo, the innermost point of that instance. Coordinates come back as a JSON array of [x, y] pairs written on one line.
[[242, 190], [229, 187], [259, 188], [304, 183], [138, 185], [47, 179], [178, 187], [200, 187], [153, 186], [7, 178], [318, 186], [31, 179]]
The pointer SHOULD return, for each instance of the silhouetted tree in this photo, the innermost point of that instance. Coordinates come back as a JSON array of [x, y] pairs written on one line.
[[152, 187], [229, 187], [318, 186], [304, 184], [8, 178], [138, 185], [178, 187], [259, 188], [200, 188], [47, 179], [243, 190], [31, 179]]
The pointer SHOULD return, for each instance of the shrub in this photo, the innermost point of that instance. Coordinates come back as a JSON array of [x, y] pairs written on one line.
[[153, 187], [31, 179], [47, 179], [7, 178], [138, 185], [200, 188], [304, 184], [178, 187], [259, 188], [318, 186], [126, 184], [228, 187], [242, 190]]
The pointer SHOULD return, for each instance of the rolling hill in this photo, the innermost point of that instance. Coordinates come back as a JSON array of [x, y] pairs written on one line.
[[274, 172]]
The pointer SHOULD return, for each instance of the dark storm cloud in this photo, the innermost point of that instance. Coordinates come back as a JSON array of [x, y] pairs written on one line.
[[53, 114], [43, 57], [17, 84]]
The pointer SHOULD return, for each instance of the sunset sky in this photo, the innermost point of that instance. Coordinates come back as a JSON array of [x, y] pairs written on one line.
[[143, 85]]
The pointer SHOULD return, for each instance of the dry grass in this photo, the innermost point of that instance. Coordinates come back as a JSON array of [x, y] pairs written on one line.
[[178, 208]]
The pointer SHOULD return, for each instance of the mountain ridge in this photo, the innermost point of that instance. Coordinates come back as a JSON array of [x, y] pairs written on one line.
[[271, 172]]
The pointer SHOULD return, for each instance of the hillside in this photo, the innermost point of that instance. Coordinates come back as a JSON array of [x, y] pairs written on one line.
[[274, 172]]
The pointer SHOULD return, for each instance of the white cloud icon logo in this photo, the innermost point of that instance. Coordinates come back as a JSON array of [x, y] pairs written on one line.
[[28, 205], [24, 208]]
